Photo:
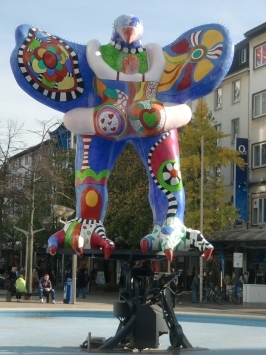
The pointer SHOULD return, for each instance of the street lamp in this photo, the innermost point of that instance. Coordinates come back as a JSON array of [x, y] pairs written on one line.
[[62, 212], [65, 212], [13, 218]]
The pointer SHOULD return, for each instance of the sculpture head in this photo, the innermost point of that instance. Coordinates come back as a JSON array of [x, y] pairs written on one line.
[[128, 31]]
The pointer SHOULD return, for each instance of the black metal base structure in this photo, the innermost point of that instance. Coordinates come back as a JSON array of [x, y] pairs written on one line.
[[144, 308]]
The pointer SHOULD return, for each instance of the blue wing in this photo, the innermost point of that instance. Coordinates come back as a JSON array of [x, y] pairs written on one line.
[[53, 71], [196, 63]]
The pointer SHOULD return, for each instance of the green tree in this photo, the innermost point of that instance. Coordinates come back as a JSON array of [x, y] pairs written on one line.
[[218, 213], [128, 215]]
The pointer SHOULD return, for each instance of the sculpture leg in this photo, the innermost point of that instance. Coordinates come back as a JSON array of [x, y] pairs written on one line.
[[95, 158], [160, 156]]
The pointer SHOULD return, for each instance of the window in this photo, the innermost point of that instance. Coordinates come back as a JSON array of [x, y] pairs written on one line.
[[26, 160], [236, 91], [258, 210], [218, 172], [259, 104], [259, 155], [218, 98], [243, 55], [218, 128], [234, 129], [68, 143], [260, 56]]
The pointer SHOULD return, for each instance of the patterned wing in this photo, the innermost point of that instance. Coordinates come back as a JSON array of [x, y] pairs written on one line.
[[53, 71], [196, 63]]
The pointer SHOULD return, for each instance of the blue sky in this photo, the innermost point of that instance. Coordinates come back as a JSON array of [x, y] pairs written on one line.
[[82, 20]]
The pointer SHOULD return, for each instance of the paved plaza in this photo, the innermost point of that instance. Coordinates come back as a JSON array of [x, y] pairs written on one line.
[[33, 328]]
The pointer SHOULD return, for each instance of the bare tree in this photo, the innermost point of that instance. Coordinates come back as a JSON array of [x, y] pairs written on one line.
[[11, 142], [43, 180], [31, 179]]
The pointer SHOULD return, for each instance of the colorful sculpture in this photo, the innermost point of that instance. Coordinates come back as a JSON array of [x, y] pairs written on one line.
[[119, 93]]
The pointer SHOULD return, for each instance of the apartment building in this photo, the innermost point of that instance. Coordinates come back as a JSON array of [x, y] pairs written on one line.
[[239, 108]]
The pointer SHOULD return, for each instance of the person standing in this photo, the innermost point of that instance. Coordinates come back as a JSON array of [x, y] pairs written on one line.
[[174, 287], [189, 279], [20, 287], [35, 279], [242, 280], [194, 288], [227, 281], [210, 280], [233, 278], [53, 278], [82, 282]]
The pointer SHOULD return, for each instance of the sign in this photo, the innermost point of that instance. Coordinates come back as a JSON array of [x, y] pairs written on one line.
[[241, 181], [100, 279], [238, 260]]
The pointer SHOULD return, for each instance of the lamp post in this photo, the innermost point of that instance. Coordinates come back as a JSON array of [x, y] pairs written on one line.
[[63, 213], [13, 218], [201, 213]]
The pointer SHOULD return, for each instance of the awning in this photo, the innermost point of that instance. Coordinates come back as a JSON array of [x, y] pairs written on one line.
[[244, 235]]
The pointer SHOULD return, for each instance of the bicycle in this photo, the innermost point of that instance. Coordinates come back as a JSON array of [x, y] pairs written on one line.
[[211, 293], [233, 295]]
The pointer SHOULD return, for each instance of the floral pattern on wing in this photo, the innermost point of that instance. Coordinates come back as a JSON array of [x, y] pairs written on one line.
[[192, 59], [50, 66]]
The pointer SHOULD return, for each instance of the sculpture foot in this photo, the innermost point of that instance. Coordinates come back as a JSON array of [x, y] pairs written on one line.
[[169, 254], [151, 241], [52, 250], [207, 254], [197, 241], [145, 246], [100, 241], [56, 241]]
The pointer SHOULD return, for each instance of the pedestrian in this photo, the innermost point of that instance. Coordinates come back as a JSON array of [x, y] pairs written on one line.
[[94, 275], [210, 280], [189, 279], [35, 279], [180, 280], [194, 288], [242, 280], [22, 271], [53, 278], [13, 274], [227, 281], [45, 286], [20, 287], [82, 282], [173, 287], [233, 279]]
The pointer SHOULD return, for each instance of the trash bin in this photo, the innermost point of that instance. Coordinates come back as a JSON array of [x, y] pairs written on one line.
[[67, 291]]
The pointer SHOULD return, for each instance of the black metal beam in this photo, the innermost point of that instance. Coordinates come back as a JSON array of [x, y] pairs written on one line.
[[125, 254]]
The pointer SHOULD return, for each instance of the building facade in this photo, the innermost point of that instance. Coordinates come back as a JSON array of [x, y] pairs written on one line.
[[239, 108]]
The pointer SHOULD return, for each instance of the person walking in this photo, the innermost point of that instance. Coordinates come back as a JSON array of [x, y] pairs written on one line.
[[194, 288], [82, 282]]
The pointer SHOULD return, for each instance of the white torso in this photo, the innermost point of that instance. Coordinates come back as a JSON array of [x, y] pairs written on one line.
[[155, 57]]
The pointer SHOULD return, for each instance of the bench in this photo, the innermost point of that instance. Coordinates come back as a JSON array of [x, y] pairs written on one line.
[[26, 295]]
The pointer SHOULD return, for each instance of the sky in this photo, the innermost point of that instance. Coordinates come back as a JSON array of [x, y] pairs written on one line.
[[83, 20]]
